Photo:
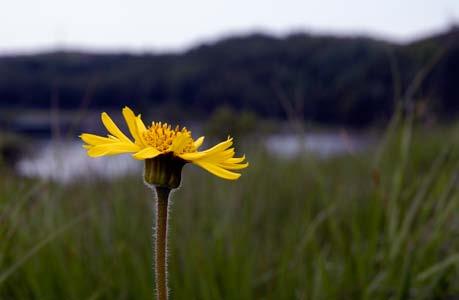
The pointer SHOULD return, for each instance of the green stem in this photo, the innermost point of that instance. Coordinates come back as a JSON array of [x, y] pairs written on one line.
[[162, 203]]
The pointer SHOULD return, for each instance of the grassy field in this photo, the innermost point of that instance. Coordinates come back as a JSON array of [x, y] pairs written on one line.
[[381, 225]]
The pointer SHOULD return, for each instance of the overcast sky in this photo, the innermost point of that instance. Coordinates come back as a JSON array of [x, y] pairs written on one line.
[[148, 25]]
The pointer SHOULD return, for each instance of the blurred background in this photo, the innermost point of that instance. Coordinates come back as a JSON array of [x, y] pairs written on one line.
[[347, 112]]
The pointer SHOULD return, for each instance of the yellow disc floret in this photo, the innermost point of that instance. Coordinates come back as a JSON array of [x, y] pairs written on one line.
[[161, 136]]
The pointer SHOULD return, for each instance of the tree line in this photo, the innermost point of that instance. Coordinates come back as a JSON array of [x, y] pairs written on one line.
[[323, 79]]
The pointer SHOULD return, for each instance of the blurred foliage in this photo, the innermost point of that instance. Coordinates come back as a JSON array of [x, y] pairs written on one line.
[[382, 225], [12, 148], [346, 80], [225, 120]]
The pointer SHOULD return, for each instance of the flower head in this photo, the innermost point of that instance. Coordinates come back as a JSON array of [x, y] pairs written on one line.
[[164, 143]]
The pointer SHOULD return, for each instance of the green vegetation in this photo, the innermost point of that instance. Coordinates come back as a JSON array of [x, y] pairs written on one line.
[[12, 147], [382, 225]]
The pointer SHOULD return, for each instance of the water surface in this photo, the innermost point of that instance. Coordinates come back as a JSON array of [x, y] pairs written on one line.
[[65, 161]]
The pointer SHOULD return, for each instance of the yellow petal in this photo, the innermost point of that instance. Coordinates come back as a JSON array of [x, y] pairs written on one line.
[[194, 156], [146, 153], [112, 149], [236, 160], [140, 129], [140, 126], [218, 157], [221, 146], [92, 139], [113, 129], [198, 142], [179, 143], [218, 171], [233, 166], [131, 122]]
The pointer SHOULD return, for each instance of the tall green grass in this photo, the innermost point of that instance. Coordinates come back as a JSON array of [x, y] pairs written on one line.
[[380, 225]]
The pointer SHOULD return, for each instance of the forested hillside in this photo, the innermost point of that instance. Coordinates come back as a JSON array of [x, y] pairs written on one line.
[[332, 80]]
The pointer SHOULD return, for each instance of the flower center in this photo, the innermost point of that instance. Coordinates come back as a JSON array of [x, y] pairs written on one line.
[[161, 137]]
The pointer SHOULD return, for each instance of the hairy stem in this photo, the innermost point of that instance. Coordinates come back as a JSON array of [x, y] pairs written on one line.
[[162, 203]]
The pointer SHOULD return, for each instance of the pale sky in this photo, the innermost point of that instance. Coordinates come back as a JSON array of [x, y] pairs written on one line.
[[148, 25]]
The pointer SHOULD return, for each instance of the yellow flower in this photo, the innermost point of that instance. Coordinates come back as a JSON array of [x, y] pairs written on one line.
[[160, 140]]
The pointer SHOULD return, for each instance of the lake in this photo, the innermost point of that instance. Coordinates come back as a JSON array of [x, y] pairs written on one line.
[[65, 161]]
